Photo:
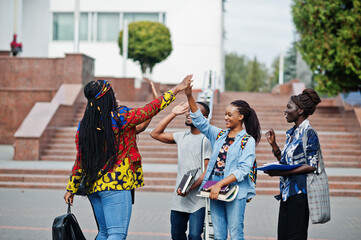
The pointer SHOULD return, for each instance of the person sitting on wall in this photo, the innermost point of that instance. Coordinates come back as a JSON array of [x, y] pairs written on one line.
[[15, 46]]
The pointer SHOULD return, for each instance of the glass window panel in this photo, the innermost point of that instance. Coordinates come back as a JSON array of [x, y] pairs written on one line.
[[134, 17], [63, 26], [83, 26], [108, 26]]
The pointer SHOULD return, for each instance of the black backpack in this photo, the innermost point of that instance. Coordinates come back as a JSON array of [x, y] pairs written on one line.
[[66, 227]]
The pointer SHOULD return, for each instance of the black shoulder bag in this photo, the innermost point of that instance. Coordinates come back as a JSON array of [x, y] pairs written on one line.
[[66, 227]]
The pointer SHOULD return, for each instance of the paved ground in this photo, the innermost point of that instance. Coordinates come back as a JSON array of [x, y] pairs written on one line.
[[28, 214]]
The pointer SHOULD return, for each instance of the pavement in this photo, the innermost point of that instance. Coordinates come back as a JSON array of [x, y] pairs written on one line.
[[29, 213]]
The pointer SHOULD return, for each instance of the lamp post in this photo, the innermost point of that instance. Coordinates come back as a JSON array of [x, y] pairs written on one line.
[[76, 26], [280, 72]]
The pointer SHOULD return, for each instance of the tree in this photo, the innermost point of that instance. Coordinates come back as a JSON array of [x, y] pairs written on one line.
[[244, 75], [149, 43], [290, 63], [236, 72], [275, 68], [330, 42], [257, 77]]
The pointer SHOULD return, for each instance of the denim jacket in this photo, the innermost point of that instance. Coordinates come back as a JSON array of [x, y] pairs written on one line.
[[238, 162]]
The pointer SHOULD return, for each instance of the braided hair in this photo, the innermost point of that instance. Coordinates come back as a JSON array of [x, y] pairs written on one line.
[[250, 119], [307, 101], [98, 144]]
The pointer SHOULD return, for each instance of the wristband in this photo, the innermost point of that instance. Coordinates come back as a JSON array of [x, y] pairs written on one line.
[[277, 153]]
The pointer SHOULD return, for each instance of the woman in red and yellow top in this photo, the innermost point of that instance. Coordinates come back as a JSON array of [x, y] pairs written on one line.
[[108, 163]]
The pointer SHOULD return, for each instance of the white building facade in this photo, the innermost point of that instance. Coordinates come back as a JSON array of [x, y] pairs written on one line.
[[46, 29]]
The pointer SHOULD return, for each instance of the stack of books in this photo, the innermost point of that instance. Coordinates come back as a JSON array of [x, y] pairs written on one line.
[[227, 193], [187, 180]]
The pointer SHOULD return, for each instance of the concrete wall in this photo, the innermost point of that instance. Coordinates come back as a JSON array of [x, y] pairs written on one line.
[[25, 81]]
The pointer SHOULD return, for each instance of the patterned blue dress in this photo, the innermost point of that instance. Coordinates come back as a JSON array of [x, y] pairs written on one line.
[[293, 154]]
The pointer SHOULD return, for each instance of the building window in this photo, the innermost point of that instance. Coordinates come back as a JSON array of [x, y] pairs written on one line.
[[63, 26], [83, 27], [95, 26], [135, 17], [107, 26]]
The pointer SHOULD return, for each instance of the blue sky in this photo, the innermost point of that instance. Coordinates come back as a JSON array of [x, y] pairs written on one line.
[[261, 28]]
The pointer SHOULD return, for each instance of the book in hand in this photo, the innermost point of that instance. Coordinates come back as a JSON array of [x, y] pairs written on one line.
[[278, 166], [187, 180], [227, 193]]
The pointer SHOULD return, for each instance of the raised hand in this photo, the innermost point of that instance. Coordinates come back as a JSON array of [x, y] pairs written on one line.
[[184, 84], [180, 108], [188, 90], [154, 91], [271, 137]]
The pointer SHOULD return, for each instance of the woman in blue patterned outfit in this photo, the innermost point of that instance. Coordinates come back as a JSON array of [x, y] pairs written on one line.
[[293, 213], [230, 163]]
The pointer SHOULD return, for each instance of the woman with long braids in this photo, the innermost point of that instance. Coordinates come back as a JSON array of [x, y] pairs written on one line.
[[108, 162], [231, 162], [294, 213]]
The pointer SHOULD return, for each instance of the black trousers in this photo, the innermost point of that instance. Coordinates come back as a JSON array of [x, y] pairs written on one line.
[[293, 218]]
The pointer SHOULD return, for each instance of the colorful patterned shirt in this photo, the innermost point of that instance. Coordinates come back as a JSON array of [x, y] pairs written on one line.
[[293, 154], [127, 172], [222, 155]]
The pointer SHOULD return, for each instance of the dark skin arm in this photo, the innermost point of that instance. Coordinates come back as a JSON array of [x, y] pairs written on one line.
[[271, 139], [69, 197], [217, 187], [305, 168], [197, 183], [191, 102], [158, 132]]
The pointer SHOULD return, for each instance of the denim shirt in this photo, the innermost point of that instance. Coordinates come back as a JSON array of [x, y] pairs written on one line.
[[239, 162], [293, 154]]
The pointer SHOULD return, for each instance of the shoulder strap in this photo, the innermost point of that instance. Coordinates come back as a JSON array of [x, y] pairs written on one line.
[[220, 134], [245, 140], [253, 172], [202, 153], [321, 166]]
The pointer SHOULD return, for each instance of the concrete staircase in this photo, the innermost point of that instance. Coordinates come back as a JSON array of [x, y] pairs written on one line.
[[341, 149]]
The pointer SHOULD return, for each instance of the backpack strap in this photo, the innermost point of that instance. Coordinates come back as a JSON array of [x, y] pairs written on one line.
[[253, 173], [220, 134], [245, 140]]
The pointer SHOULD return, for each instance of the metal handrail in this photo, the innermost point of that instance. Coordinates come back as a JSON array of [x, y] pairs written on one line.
[[207, 93]]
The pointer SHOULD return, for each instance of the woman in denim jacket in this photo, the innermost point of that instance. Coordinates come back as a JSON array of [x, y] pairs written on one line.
[[229, 164]]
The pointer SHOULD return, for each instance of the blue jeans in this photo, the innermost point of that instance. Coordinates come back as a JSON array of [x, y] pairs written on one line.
[[227, 215], [179, 222], [112, 211]]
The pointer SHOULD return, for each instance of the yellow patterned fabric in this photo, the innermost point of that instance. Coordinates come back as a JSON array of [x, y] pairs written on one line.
[[127, 173]]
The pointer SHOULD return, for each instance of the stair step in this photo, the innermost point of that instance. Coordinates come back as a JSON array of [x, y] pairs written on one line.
[[340, 148], [34, 178], [155, 188], [39, 185]]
